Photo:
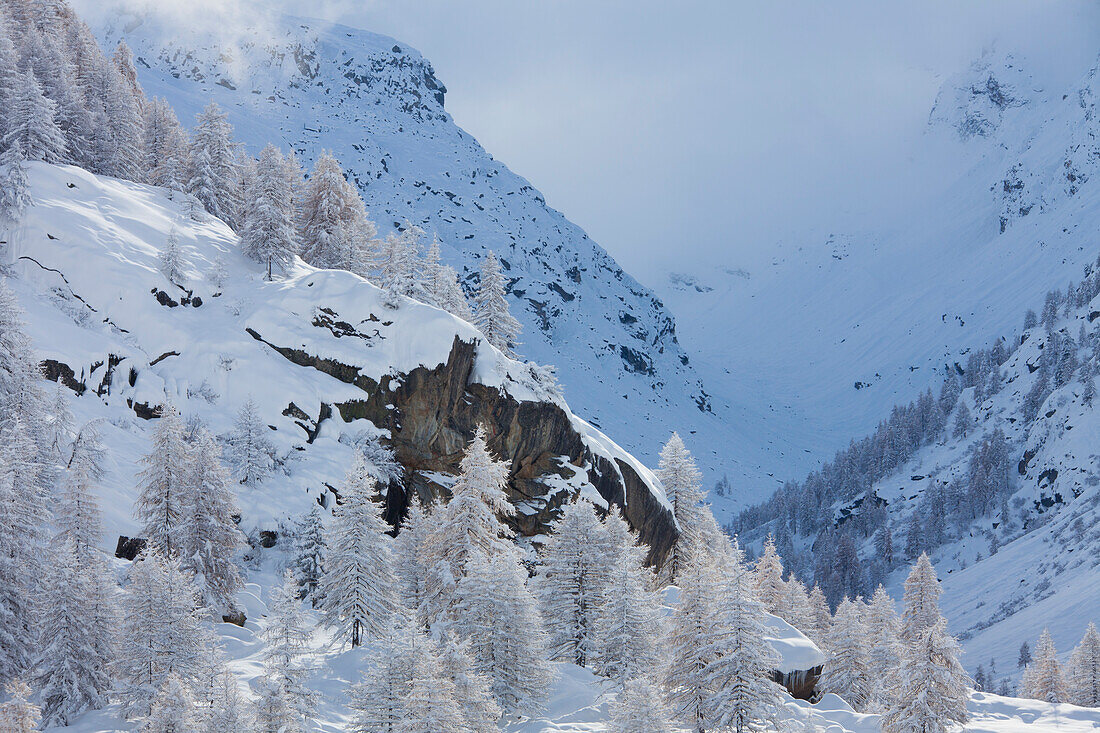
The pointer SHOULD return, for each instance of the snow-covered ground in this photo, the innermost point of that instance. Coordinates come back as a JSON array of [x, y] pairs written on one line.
[[85, 260]]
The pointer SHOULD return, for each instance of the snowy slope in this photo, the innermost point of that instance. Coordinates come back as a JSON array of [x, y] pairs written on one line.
[[378, 106], [814, 340], [85, 269]]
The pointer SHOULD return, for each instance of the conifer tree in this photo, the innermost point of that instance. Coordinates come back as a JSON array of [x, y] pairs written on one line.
[[172, 710], [639, 708], [400, 267], [286, 638], [847, 670], [480, 711], [71, 670], [491, 314], [208, 535], [379, 699], [165, 145], [329, 213], [309, 559], [172, 260], [408, 551], [162, 631], [250, 450], [469, 526], [9, 76], [921, 600], [682, 483], [1043, 680], [212, 163], [1083, 673], [497, 614], [228, 709], [360, 594], [719, 672], [19, 714], [768, 572], [164, 483], [268, 235], [14, 195], [796, 608], [429, 702], [883, 636], [572, 581], [931, 692], [273, 712], [822, 618], [21, 542], [33, 123], [629, 624]]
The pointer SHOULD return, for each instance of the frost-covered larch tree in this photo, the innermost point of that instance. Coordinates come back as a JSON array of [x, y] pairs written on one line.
[[378, 700], [822, 618], [332, 224], [172, 709], [1083, 672], [407, 552], [719, 663], [250, 450], [429, 703], [629, 625], [359, 591], [21, 545], [400, 272], [273, 712], [33, 123], [929, 691], [491, 313], [683, 485], [497, 614], [162, 631], [15, 195], [472, 690], [1043, 680], [228, 710], [212, 163], [768, 572], [268, 235], [309, 557], [164, 483], [921, 600], [883, 635], [796, 609], [286, 637], [19, 714], [208, 535], [572, 581], [165, 145], [847, 669], [71, 671], [171, 259], [639, 708], [469, 526]]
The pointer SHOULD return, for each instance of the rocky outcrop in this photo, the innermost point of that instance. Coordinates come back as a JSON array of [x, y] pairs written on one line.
[[800, 683], [432, 412]]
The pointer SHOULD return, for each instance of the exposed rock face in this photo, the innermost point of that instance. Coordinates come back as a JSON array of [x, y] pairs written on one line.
[[800, 684], [432, 414]]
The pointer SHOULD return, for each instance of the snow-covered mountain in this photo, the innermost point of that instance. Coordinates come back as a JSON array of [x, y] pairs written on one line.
[[1001, 488], [816, 339], [328, 366], [378, 106]]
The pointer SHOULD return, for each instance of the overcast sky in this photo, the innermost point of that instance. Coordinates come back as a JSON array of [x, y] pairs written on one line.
[[697, 132]]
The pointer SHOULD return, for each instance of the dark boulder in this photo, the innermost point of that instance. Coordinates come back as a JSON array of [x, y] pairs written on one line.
[[129, 548]]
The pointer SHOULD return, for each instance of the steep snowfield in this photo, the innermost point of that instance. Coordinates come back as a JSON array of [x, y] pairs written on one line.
[[85, 265], [377, 105]]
